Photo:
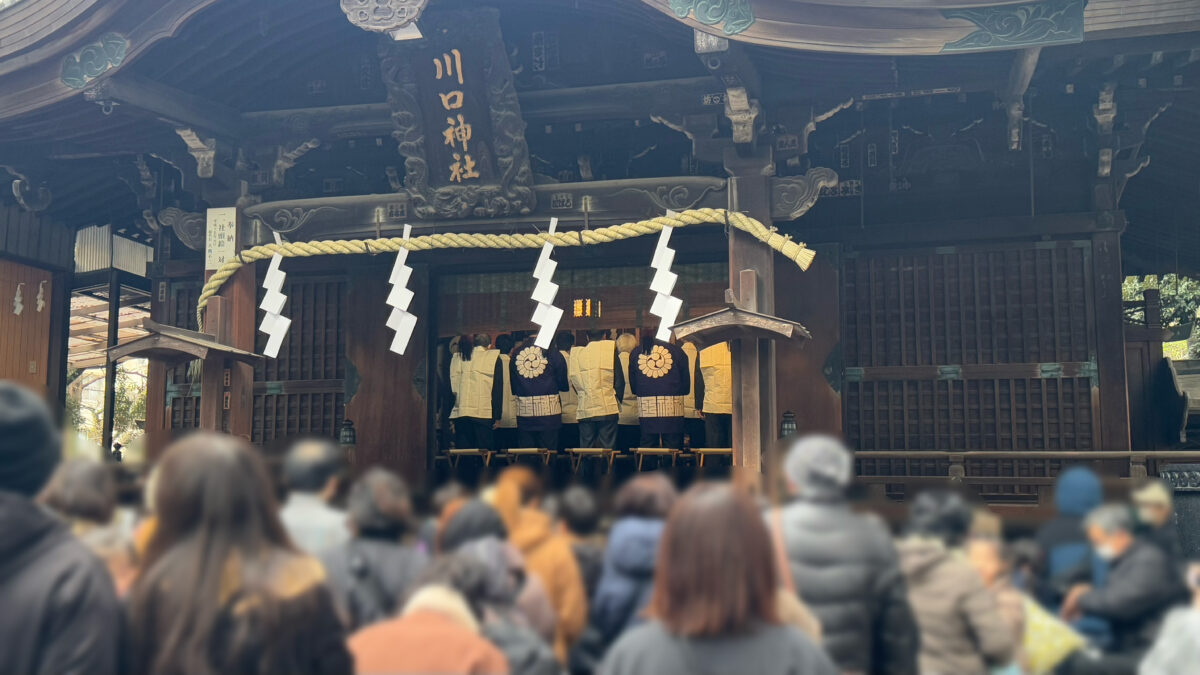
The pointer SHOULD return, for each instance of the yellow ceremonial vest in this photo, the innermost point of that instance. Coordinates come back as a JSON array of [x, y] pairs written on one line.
[[455, 376], [629, 404], [591, 371], [715, 364], [568, 398], [689, 401], [508, 415], [475, 383]]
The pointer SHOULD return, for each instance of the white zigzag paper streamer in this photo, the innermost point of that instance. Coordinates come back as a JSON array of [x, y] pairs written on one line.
[[666, 306], [274, 324], [546, 316], [401, 320]]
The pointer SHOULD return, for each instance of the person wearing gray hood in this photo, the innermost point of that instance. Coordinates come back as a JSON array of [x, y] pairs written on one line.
[[844, 565], [61, 614]]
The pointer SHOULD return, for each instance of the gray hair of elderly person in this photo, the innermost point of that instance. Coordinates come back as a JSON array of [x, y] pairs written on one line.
[[379, 505], [1110, 518], [311, 463], [818, 467]]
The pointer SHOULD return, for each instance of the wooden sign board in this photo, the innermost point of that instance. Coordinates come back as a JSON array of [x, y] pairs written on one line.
[[220, 240]]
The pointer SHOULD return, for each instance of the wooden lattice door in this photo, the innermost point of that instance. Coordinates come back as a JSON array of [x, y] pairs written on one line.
[[970, 348]]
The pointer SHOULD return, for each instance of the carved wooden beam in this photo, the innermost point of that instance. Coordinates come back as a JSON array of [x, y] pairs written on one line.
[[169, 104], [574, 204], [203, 150], [1024, 64], [29, 197], [634, 100], [734, 72], [792, 197]]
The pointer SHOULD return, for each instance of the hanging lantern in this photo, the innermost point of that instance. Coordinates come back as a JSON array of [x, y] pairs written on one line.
[[585, 308]]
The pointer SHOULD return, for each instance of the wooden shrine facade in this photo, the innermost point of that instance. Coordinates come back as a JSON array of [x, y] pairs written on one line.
[[967, 199]]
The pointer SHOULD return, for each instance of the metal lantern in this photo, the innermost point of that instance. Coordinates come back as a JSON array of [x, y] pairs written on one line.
[[788, 426], [347, 439]]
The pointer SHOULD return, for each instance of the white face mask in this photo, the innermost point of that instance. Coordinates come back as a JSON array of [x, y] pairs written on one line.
[[1106, 552]]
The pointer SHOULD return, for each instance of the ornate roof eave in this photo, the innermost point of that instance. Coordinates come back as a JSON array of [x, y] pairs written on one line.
[[63, 45], [921, 27]]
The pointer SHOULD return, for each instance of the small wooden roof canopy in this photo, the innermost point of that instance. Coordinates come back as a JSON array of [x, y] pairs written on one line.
[[174, 345], [739, 320]]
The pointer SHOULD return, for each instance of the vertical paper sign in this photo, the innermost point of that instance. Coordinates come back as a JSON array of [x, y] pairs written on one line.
[[220, 240]]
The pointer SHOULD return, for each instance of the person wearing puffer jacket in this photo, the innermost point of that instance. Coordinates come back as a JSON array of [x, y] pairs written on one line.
[[962, 629], [844, 565], [627, 578]]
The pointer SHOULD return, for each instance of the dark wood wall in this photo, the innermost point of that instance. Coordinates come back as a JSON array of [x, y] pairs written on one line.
[[25, 337], [33, 345]]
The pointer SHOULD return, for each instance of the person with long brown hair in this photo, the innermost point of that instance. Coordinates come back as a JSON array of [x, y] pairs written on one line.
[[222, 588], [713, 609]]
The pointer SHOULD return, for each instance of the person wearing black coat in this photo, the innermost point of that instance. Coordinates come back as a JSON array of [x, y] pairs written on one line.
[[60, 612], [844, 565], [372, 575], [1142, 585]]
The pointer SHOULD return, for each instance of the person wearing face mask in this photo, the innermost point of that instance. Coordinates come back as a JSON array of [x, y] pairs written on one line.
[[1143, 584]]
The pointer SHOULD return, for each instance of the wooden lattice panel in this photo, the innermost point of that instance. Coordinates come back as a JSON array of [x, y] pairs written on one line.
[[986, 348], [302, 391], [183, 398], [969, 306]]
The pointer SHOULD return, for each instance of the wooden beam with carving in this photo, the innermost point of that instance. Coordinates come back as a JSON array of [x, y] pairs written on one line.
[[177, 108], [574, 204]]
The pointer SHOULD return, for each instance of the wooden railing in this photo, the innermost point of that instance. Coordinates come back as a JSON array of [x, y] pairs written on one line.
[[1017, 485]]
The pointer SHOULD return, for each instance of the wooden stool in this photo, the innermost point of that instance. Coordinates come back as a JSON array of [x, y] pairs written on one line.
[[642, 453], [577, 455], [701, 453], [458, 453], [516, 453]]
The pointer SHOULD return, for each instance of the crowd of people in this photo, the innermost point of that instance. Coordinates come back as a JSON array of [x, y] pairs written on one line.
[[616, 390], [212, 574]]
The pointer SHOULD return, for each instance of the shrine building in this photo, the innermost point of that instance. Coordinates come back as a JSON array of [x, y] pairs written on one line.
[[910, 220]]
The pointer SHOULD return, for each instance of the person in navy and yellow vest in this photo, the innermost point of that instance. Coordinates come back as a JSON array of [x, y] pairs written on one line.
[[628, 429], [478, 383], [506, 428], [538, 376], [595, 371], [660, 376], [714, 394]]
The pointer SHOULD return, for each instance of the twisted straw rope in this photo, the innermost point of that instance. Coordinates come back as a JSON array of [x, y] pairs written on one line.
[[797, 252]]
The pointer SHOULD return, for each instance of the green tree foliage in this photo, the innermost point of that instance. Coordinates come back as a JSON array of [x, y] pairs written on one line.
[[1180, 298]]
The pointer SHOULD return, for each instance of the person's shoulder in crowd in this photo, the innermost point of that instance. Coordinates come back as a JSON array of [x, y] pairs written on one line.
[[765, 650], [60, 610]]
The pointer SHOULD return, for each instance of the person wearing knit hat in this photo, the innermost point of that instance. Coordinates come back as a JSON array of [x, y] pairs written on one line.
[[29, 443], [844, 565], [61, 614], [1156, 518]]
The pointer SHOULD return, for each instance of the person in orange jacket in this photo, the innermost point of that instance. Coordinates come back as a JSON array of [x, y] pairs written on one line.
[[548, 553]]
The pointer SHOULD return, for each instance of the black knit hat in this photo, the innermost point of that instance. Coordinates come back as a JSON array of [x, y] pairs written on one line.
[[29, 442]]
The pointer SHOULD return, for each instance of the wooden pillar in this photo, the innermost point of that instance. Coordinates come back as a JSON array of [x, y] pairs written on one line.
[[241, 294], [212, 373], [156, 371], [110, 368], [753, 371], [232, 322], [1110, 342], [60, 335]]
